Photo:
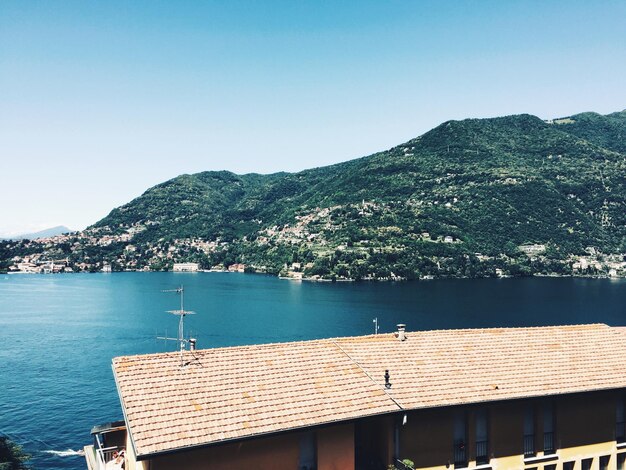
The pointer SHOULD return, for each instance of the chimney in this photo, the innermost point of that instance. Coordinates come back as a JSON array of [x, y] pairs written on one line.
[[192, 344], [401, 328]]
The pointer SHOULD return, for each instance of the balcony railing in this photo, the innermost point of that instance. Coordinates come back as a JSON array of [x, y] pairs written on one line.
[[482, 454], [106, 455], [460, 454], [108, 438], [529, 445], [548, 443]]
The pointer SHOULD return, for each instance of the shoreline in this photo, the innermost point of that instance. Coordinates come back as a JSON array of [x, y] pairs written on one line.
[[325, 280]]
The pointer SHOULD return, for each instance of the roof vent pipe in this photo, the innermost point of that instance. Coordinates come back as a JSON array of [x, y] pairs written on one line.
[[192, 344], [401, 328]]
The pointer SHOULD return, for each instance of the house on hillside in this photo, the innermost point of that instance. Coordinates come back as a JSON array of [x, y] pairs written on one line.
[[185, 267], [549, 398], [237, 268]]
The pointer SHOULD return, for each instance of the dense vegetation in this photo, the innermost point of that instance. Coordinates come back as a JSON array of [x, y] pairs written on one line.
[[11, 455], [457, 201]]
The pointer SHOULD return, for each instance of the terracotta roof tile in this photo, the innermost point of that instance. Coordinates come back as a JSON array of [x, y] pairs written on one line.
[[238, 392]]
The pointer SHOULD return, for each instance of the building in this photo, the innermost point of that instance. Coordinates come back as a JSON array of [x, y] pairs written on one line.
[[532, 250], [237, 268], [544, 398], [186, 267]]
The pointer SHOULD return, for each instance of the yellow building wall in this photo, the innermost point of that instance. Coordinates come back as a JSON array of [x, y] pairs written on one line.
[[274, 453], [335, 448], [335, 451], [584, 428], [374, 441], [581, 421], [426, 438], [506, 431]]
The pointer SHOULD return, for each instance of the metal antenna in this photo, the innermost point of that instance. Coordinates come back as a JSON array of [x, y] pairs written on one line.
[[181, 323], [375, 321]]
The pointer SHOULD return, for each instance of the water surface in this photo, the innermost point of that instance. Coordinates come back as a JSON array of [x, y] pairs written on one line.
[[58, 333]]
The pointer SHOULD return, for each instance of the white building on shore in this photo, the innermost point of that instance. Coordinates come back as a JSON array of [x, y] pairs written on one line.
[[186, 267]]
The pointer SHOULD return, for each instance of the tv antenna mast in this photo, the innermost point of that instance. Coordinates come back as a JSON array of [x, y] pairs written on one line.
[[181, 324]]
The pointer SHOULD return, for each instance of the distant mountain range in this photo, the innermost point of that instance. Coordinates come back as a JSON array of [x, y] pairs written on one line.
[[49, 232], [467, 198]]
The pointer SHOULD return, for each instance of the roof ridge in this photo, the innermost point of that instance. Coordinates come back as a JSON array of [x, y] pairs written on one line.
[[384, 389]]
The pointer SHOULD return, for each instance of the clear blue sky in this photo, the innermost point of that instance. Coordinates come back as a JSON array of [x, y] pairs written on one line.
[[101, 100]]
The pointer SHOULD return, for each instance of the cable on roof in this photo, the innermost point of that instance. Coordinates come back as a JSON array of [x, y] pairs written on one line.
[[384, 389]]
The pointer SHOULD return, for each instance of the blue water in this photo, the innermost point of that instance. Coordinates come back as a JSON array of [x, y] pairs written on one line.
[[58, 333]]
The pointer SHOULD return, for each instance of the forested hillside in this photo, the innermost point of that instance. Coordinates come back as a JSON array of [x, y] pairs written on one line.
[[516, 193]]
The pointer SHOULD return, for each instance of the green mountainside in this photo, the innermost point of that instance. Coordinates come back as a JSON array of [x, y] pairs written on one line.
[[516, 193], [607, 131]]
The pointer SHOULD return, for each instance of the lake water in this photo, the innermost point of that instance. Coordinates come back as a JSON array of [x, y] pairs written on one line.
[[58, 333]]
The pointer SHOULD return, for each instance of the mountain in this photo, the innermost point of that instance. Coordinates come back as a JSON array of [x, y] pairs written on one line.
[[607, 131], [514, 193], [49, 232]]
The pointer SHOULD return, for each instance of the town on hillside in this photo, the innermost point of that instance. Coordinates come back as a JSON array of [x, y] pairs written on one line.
[[305, 250]]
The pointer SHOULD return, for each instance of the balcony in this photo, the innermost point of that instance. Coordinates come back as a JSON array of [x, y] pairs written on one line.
[[482, 452], [460, 454], [548, 443], [529, 445], [108, 441]]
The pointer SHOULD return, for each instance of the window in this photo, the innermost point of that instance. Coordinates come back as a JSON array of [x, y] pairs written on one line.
[[548, 428], [620, 428], [604, 462], [586, 464], [308, 454], [529, 431], [482, 438], [460, 440], [568, 465], [550, 467], [621, 459]]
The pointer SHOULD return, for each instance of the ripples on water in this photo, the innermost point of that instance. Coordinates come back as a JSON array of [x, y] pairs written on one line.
[[58, 333]]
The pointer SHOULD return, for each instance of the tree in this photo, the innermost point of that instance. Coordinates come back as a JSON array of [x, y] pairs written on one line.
[[12, 457]]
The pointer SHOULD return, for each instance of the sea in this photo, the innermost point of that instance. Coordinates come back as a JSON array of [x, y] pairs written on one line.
[[58, 333]]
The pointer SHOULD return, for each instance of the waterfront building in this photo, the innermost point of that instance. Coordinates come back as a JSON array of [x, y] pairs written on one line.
[[543, 398], [237, 268], [186, 267]]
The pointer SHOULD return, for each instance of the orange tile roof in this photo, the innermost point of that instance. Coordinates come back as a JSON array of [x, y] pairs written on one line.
[[232, 393]]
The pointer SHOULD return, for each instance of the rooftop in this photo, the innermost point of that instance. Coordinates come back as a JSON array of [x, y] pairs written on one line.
[[232, 393]]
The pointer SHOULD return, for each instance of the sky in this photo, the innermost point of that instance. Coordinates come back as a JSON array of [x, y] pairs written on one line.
[[99, 101]]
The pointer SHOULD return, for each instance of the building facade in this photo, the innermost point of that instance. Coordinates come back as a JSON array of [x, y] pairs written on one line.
[[185, 267]]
